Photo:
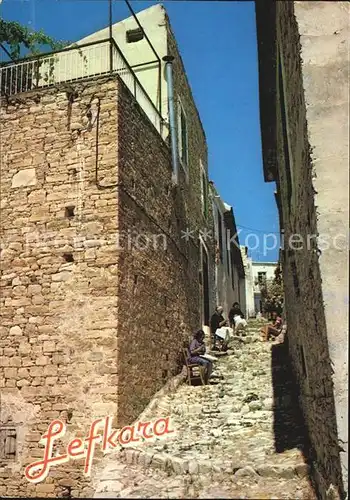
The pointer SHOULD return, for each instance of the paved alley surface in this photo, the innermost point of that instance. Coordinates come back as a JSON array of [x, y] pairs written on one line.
[[239, 438]]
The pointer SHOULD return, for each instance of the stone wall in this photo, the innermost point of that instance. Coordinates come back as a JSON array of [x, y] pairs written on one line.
[[316, 325], [158, 286], [98, 288], [59, 284], [159, 291], [325, 31]]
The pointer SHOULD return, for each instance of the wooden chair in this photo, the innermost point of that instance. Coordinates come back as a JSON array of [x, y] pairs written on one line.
[[190, 367]]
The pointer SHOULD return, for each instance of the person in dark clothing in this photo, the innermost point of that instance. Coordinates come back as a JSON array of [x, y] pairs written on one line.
[[197, 348], [234, 311], [216, 322]]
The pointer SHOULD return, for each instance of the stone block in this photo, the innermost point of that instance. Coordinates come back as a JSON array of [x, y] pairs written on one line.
[[10, 372], [204, 467], [34, 289], [24, 178], [178, 465], [193, 467], [111, 485], [286, 471], [42, 361], [267, 470], [146, 458], [37, 196], [23, 373], [247, 471], [255, 405], [49, 346], [51, 380], [15, 330], [44, 488], [268, 404], [302, 470], [63, 276], [160, 461], [9, 351], [4, 361]]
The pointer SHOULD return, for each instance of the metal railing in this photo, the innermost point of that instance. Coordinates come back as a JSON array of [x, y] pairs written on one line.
[[76, 63]]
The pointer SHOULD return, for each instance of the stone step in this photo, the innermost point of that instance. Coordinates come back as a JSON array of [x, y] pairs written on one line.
[[229, 430], [139, 484], [177, 465]]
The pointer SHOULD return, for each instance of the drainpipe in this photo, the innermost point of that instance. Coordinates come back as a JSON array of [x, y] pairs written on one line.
[[171, 107]]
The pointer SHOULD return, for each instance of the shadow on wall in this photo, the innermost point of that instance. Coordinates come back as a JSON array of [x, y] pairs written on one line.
[[290, 431]]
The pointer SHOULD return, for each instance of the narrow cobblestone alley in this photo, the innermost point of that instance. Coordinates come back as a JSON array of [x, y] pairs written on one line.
[[239, 438]]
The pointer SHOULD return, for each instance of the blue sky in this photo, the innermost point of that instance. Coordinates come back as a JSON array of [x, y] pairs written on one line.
[[217, 41]]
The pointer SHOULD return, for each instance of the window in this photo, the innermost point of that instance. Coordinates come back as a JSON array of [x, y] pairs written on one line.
[[261, 278], [68, 257], [220, 234], [204, 190], [8, 437], [183, 137], [69, 212], [135, 35]]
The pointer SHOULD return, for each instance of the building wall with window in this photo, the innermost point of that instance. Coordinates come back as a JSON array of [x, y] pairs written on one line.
[[99, 289], [99, 286], [191, 140], [229, 271], [262, 272], [136, 50], [304, 75], [255, 272], [193, 167]]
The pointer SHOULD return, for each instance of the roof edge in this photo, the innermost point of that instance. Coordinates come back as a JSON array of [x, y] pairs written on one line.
[[265, 13]]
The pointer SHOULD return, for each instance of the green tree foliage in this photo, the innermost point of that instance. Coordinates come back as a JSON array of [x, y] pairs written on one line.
[[272, 294], [18, 40]]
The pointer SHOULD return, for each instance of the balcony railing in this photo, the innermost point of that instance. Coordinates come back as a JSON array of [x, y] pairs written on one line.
[[72, 64]]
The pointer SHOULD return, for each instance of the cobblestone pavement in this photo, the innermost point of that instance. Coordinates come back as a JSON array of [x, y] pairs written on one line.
[[238, 438]]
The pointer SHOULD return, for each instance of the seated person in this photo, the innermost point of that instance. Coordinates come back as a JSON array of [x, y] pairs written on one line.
[[282, 336], [234, 311], [196, 348], [236, 318], [272, 331], [240, 323], [217, 321]]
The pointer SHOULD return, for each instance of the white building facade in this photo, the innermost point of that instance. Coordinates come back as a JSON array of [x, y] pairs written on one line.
[[229, 269], [248, 283], [255, 273], [262, 272]]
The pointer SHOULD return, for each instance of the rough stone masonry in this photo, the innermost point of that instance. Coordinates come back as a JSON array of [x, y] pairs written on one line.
[[304, 104], [80, 165], [241, 437]]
